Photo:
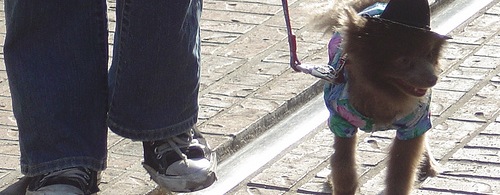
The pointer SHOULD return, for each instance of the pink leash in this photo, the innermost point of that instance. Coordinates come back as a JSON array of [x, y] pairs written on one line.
[[325, 72], [292, 41]]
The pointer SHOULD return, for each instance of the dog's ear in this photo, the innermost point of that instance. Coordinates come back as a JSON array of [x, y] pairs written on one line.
[[352, 23], [327, 17], [351, 19], [331, 16]]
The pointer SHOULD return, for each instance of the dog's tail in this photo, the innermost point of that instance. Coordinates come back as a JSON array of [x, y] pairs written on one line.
[[335, 13]]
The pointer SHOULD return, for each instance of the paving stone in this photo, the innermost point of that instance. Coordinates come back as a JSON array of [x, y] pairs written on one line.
[[286, 86], [304, 49], [374, 184], [266, 68], [255, 42], [442, 100], [316, 186], [469, 73], [130, 183], [228, 27], [472, 169], [128, 147], [477, 31], [480, 62], [244, 7], [220, 64], [431, 191], [268, 2], [492, 129], [286, 172], [278, 56], [316, 39], [7, 119], [9, 133], [495, 80], [219, 37], [456, 185], [5, 103], [365, 160], [371, 159], [3, 174], [207, 112], [113, 139], [236, 17], [482, 106], [260, 104], [209, 48], [316, 58], [2, 63], [495, 10], [485, 141], [486, 23], [445, 136], [218, 101], [9, 147], [477, 155], [9, 162], [109, 176], [247, 190], [296, 163], [122, 162], [299, 17], [234, 121], [455, 84], [374, 143], [445, 65], [465, 38], [489, 51], [250, 79], [494, 41], [457, 51], [233, 90], [218, 142], [9, 177]]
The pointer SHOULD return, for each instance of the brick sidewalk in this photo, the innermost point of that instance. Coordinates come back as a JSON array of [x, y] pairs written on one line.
[[247, 86]]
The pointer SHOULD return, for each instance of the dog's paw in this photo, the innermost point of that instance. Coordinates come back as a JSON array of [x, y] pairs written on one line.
[[428, 168]]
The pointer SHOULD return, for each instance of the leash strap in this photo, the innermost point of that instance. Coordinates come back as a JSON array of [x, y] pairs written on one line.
[[325, 72], [292, 42]]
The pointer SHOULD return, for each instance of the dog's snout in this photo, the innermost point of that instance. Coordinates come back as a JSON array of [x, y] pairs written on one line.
[[432, 80]]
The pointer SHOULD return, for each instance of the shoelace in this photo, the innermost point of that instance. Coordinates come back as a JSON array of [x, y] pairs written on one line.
[[175, 144], [73, 174]]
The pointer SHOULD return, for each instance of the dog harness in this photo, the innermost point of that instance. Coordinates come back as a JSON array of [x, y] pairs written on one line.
[[344, 120]]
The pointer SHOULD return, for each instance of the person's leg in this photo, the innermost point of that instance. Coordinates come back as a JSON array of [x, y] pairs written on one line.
[[56, 60], [154, 82], [154, 77]]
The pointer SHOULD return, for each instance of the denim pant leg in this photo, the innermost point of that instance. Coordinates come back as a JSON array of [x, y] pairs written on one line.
[[154, 77], [56, 60]]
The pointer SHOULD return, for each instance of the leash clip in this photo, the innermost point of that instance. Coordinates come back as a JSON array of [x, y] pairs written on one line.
[[322, 71], [325, 72]]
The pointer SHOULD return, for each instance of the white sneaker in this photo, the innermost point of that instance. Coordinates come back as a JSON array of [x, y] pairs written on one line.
[[183, 163]]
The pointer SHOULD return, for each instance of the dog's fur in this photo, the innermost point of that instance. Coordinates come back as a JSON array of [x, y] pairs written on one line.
[[388, 71]]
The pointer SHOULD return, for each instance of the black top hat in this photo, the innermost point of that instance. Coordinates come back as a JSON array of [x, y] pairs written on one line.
[[414, 13]]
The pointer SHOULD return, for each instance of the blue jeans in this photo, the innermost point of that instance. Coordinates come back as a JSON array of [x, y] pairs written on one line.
[[64, 98]]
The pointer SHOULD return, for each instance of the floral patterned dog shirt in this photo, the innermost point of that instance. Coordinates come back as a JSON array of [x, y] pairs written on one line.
[[344, 120]]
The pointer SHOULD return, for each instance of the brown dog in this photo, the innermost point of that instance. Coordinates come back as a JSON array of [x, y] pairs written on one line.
[[390, 63]]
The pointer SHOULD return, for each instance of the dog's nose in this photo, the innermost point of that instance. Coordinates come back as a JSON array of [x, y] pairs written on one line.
[[432, 80]]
